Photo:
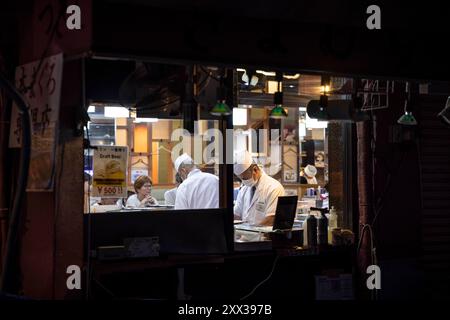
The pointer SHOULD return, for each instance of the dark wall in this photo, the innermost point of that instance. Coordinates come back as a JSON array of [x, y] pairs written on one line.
[[397, 184], [397, 204]]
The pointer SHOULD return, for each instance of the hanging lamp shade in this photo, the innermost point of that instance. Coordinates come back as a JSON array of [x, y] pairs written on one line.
[[407, 119], [221, 109], [278, 112]]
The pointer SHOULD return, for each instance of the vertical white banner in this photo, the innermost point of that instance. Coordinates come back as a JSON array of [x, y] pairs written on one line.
[[43, 98]]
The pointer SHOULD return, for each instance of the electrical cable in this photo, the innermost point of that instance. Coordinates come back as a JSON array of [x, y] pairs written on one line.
[[25, 153], [209, 73], [57, 203], [207, 80], [159, 106], [89, 230], [382, 199], [379, 203], [24, 158], [104, 288], [366, 225], [264, 281], [373, 257]]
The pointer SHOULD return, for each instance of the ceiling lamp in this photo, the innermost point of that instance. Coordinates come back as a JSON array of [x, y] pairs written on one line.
[[249, 77], [221, 108], [116, 112], [278, 112], [407, 118]]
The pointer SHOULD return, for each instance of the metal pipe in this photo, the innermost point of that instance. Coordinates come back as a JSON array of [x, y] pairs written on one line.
[[6, 281]]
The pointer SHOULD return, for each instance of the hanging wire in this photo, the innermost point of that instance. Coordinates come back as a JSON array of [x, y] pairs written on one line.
[[264, 281]]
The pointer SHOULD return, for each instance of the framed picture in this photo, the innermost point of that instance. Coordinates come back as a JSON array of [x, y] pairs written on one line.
[[319, 159]]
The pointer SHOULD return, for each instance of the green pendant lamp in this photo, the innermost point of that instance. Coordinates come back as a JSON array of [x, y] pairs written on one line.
[[407, 118], [278, 112], [221, 108]]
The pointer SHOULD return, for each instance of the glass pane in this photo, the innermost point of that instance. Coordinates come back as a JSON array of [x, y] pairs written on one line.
[[102, 132]]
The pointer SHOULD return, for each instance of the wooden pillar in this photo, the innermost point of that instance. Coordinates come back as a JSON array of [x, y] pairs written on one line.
[[68, 219], [226, 169], [365, 193]]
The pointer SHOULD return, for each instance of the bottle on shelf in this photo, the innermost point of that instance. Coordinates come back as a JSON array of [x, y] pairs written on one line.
[[322, 226], [310, 231], [332, 223]]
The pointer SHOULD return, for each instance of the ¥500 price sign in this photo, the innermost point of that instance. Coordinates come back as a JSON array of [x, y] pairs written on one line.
[[113, 191], [110, 172]]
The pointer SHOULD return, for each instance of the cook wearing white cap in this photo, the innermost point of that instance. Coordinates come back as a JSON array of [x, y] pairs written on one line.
[[199, 190], [310, 174], [257, 200]]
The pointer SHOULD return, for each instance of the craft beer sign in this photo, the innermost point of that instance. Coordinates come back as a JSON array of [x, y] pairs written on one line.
[[110, 172]]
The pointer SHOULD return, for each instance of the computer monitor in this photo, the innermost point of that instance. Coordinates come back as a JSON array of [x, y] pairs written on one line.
[[285, 213]]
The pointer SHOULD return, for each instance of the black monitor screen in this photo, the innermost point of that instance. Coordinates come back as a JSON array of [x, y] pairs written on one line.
[[285, 214]]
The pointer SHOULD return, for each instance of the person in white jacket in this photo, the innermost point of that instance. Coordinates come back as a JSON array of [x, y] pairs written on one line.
[[199, 190], [310, 174], [257, 200], [171, 195], [143, 197]]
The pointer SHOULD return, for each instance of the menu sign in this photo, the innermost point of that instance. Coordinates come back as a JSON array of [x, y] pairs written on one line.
[[40, 85], [110, 168]]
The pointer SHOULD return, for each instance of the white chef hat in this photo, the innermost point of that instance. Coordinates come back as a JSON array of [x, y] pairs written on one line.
[[242, 161], [184, 158], [310, 170]]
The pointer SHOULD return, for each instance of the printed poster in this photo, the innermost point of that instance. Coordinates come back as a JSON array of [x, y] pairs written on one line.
[[40, 85], [110, 172]]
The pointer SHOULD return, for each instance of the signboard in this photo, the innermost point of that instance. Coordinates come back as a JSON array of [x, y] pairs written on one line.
[[135, 173], [43, 98], [110, 172]]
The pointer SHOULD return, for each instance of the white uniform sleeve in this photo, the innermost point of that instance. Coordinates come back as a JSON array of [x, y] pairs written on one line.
[[238, 206], [132, 202], [170, 196], [181, 201], [272, 200]]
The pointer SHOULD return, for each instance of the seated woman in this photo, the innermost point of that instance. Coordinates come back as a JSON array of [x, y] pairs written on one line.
[[142, 198]]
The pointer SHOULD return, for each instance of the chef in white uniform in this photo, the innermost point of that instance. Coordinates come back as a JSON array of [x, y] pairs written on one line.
[[310, 174], [199, 190], [257, 200]]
